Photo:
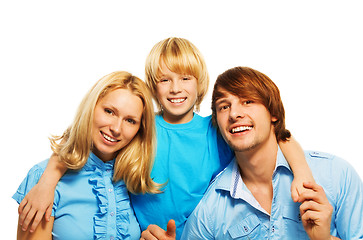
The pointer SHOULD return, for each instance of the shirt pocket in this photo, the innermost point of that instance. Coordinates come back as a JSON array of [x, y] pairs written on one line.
[[292, 222], [248, 228]]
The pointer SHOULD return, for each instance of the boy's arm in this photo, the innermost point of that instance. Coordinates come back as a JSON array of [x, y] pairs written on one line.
[[294, 155], [40, 198], [44, 231]]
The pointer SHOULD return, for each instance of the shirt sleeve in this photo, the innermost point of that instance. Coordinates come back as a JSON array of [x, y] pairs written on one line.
[[198, 225], [30, 181], [349, 202]]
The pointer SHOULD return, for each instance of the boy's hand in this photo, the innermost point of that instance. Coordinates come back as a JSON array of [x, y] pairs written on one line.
[[155, 232], [38, 201], [297, 186]]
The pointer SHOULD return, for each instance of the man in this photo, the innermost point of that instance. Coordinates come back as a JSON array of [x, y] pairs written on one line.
[[251, 199]]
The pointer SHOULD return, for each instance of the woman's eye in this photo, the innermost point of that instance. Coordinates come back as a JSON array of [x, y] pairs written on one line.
[[132, 121]]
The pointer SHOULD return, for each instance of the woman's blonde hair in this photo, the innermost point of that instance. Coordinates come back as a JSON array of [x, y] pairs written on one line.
[[134, 162], [180, 56]]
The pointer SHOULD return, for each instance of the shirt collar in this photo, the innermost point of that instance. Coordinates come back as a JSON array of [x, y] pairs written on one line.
[[95, 162], [281, 161], [231, 180]]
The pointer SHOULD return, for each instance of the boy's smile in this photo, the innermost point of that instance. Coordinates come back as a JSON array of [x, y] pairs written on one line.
[[177, 93]]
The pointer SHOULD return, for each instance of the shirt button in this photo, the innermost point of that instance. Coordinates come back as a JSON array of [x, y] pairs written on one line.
[[112, 213], [273, 228], [110, 189], [112, 238]]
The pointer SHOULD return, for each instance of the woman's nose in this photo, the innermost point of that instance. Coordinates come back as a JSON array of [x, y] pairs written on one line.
[[115, 127]]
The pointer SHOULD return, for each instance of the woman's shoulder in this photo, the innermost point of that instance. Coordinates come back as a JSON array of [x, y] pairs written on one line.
[[30, 180]]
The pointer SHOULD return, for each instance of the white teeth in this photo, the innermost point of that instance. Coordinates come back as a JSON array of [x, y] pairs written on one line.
[[178, 100], [109, 138], [241, 129]]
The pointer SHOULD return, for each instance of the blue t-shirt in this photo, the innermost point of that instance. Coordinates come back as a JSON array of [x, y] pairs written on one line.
[[188, 157], [87, 203], [228, 210]]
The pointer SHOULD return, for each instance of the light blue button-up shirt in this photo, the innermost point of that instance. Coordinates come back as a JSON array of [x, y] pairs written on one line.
[[88, 204], [228, 210]]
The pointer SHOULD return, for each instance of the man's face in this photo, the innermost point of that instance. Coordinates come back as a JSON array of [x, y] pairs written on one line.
[[244, 124]]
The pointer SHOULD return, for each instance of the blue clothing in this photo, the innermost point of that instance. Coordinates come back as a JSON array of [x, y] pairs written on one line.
[[229, 211], [188, 157], [87, 203]]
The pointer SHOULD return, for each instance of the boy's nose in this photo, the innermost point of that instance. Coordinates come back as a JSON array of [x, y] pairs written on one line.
[[175, 87]]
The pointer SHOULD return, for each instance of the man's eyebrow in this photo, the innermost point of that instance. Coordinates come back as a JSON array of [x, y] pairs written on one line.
[[220, 100]]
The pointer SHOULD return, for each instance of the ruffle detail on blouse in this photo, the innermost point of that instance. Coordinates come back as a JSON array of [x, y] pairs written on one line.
[[100, 219], [122, 210], [122, 206]]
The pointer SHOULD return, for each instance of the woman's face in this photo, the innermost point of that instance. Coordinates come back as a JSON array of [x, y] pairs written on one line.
[[116, 121]]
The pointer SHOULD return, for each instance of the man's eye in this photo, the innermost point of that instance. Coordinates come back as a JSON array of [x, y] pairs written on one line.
[[223, 107]]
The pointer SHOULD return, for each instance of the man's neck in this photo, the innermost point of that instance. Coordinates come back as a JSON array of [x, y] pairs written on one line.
[[256, 167], [258, 164]]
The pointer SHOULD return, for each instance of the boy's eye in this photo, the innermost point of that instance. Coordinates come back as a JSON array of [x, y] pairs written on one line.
[[247, 102], [109, 111], [164, 80], [186, 78]]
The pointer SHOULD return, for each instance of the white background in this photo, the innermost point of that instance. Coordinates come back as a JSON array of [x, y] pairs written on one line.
[[52, 52]]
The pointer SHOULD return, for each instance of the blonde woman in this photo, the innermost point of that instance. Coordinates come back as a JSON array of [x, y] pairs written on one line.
[[109, 150]]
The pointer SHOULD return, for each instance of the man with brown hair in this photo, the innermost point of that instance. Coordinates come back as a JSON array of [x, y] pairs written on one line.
[[251, 199]]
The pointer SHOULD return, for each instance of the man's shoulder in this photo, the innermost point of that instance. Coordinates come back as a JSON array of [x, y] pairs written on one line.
[[323, 159], [318, 155], [331, 172]]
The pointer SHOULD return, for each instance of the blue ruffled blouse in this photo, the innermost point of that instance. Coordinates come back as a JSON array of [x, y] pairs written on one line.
[[87, 203]]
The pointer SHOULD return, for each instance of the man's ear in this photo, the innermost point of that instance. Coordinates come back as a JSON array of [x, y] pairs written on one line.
[[274, 119]]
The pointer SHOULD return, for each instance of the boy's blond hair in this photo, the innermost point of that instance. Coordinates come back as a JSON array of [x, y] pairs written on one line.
[[133, 162], [180, 56]]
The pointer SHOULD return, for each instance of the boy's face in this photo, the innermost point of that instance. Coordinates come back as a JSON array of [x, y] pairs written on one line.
[[244, 124], [177, 93]]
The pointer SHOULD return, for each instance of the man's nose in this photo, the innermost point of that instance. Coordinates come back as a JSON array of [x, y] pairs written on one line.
[[236, 112]]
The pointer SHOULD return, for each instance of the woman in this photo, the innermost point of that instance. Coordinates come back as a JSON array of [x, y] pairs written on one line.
[[109, 150]]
